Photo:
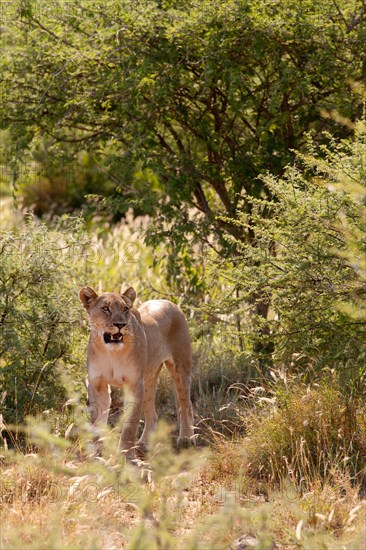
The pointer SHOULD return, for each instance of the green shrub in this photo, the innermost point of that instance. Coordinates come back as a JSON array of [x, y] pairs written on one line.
[[308, 263], [41, 329]]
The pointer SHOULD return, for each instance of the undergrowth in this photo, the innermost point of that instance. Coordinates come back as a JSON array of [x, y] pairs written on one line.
[[306, 433]]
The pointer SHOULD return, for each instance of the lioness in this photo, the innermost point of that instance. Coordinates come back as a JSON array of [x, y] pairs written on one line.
[[128, 347]]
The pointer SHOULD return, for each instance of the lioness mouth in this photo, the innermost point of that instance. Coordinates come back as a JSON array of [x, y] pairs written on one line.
[[113, 339]]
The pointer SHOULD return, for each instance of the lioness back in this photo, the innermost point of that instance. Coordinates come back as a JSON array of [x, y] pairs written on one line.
[[165, 325]]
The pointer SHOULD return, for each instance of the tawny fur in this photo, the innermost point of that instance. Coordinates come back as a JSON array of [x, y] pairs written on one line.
[[153, 335]]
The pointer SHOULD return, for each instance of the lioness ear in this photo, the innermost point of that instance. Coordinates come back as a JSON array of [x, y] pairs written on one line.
[[87, 295], [130, 294]]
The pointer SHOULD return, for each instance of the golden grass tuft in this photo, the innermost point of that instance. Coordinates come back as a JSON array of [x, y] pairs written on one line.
[[306, 433]]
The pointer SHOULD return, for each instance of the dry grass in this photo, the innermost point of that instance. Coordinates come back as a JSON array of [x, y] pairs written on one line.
[[44, 511], [190, 502], [306, 433]]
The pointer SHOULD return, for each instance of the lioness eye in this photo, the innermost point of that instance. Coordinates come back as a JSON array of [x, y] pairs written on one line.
[[105, 308], [125, 310]]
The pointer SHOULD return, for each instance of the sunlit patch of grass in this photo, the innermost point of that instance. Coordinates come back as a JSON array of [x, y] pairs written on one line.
[[56, 500], [28, 483], [62, 517], [334, 507], [306, 433], [190, 500], [301, 465], [331, 522], [226, 460]]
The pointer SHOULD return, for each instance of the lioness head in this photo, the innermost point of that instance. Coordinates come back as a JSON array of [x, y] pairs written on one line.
[[109, 313]]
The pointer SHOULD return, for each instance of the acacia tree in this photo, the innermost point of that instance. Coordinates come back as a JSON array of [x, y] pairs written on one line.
[[184, 103]]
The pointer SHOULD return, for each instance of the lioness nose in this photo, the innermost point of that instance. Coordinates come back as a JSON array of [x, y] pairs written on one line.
[[119, 325]]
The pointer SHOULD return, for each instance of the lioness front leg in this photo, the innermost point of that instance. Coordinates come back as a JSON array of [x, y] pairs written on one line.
[[99, 403], [131, 417]]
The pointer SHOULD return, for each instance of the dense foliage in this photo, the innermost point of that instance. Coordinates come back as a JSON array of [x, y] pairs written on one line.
[[308, 261], [41, 337], [182, 104]]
